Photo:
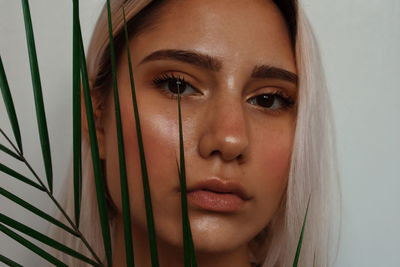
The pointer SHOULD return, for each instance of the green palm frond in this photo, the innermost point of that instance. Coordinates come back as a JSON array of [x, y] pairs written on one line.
[[36, 211], [121, 150], [9, 262], [145, 179], [20, 177], [77, 113], [98, 175], [9, 152], [300, 242], [43, 238], [9, 103], [37, 90], [314, 260], [40, 114], [34, 248], [189, 251]]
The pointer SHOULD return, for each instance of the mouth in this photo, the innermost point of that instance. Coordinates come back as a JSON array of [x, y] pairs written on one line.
[[217, 195]]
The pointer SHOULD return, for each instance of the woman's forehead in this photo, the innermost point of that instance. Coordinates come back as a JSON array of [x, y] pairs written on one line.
[[242, 32], [194, 17]]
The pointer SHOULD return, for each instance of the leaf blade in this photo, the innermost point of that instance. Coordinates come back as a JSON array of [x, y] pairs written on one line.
[[11, 172], [314, 260], [9, 152], [38, 96], [98, 175], [31, 246], [36, 211], [9, 262], [143, 166], [123, 175], [77, 113], [299, 244], [43, 238], [189, 251], [9, 103]]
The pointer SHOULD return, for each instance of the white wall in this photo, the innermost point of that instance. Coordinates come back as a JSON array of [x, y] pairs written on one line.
[[359, 42]]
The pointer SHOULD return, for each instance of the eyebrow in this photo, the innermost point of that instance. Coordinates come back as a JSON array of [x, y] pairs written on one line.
[[266, 71], [211, 63]]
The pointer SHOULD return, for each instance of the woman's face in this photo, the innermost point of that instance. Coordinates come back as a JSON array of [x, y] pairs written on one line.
[[236, 69]]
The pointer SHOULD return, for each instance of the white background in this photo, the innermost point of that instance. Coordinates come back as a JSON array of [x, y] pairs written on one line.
[[360, 42]]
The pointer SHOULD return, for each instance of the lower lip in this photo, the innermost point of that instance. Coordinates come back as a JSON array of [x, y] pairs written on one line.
[[220, 202]]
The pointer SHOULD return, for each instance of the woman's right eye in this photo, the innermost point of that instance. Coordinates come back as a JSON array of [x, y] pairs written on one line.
[[170, 84]]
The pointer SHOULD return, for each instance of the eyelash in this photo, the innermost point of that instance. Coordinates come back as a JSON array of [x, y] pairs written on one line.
[[167, 77], [287, 102], [159, 82]]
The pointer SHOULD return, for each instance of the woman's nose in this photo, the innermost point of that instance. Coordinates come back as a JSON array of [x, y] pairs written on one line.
[[225, 131]]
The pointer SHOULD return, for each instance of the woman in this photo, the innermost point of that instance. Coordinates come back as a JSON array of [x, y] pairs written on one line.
[[256, 125]]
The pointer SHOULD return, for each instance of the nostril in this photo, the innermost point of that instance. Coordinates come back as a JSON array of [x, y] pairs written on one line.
[[226, 156], [214, 152]]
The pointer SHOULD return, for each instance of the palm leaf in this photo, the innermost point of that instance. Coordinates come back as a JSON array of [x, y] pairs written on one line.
[[121, 151], [297, 256], [64, 213], [98, 176], [8, 101], [37, 90], [9, 262], [145, 179], [31, 246], [40, 114], [35, 210], [20, 156], [20, 177], [314, 260], [76, 98], [9, 152], [189, 251], [43, 238], [54, 201]]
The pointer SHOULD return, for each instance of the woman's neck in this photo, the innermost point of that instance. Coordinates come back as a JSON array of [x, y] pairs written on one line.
[[172, 256]]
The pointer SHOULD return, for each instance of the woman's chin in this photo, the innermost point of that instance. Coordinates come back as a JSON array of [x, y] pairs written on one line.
[[211, 234], [219, 246]]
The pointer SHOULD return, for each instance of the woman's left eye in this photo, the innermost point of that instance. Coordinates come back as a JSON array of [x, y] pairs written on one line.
[[272, 101], [170, 84]]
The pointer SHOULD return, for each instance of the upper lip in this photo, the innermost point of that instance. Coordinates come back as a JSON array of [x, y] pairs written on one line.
[[218, 185]]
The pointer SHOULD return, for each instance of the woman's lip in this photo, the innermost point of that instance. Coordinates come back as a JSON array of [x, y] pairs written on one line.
[[220, 186], [216, 194], [219, 202]]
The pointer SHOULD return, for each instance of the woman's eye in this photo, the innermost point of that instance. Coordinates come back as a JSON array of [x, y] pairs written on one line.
[[170, 85], [272, 101]]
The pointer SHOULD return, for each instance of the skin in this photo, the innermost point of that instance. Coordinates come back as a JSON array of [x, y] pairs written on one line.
[[225, 135]]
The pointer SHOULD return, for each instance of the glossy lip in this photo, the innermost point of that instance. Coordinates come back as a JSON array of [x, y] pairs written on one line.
[[217, 195], [218, 185]]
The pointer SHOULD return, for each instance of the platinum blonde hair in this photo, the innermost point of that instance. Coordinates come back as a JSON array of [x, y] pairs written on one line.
[[313, 171]]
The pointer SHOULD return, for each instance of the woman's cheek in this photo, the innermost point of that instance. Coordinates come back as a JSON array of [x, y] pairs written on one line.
[[161, 137], [275, 155]]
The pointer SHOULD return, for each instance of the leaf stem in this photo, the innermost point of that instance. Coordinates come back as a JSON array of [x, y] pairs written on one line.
[[11, 143], [75, 228]]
